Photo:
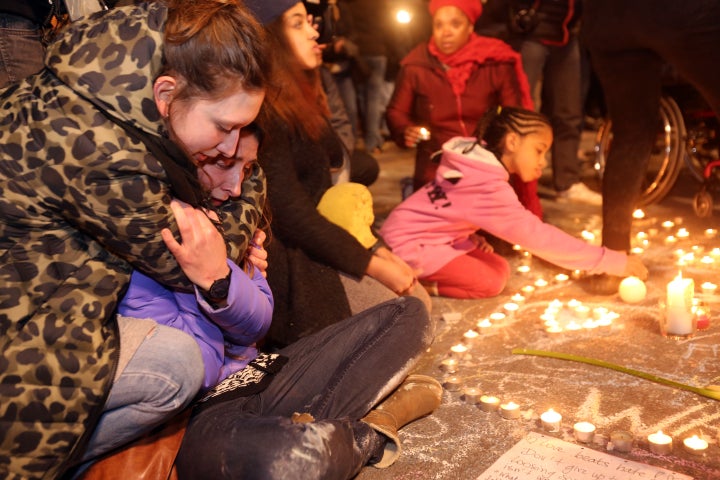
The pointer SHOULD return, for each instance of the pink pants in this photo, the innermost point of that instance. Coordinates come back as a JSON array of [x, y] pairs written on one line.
[[476, 274]]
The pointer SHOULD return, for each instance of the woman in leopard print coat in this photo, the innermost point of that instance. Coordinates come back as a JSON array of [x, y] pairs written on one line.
[[87, 172]]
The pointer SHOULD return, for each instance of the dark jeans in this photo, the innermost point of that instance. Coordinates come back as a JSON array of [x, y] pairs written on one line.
[[629, 42], [21, 49], [337, 375]]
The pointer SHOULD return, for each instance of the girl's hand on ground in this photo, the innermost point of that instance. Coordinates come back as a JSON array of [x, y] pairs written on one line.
[[256, 254], [201, 252], [635, 268]]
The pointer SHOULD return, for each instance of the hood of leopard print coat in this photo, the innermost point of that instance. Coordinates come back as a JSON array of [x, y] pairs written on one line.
[[81, 205]]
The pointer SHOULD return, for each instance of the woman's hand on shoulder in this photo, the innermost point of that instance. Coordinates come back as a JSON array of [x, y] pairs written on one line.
[[201, 252], [635, 268], [256, 254], [392, 271]]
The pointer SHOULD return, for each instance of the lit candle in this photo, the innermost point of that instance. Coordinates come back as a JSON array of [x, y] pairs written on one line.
[[449, 365], [458, 350], [523, 269], [471, 395], [553, 329], [667, 224], [452, 384], [510, 309], [660, 443], [632, 290], [638, 214], [470, 336], [527, 290], [621, 441], [484, 325], [497, 317], [551, 420], [561, 277], [541, 283], [708, 288], [582, 312], [702, 317], [517, 298], [678, 315], [682, 233], [695, 445], [424, 134], [510, 410], [670, 240], [710, 232], [584, 432], [489, 403], [715, 252]]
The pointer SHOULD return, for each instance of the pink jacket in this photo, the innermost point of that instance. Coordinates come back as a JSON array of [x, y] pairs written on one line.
[[471, 192]]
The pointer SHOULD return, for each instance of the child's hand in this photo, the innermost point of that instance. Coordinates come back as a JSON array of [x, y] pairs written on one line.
[[256, 254], [635, 268]]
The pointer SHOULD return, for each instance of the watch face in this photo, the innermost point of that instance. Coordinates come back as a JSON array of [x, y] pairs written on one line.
[[220, 288]]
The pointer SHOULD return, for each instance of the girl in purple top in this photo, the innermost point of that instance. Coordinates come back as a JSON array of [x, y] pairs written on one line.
[[434, 230]]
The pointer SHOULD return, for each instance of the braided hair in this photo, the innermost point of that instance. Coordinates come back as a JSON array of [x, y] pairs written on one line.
[[497, 122]]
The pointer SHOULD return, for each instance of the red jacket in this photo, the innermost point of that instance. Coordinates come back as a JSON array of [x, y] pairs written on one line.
[[423, 96]]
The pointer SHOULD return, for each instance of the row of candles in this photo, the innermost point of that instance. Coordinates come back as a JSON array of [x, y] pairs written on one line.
[[584, 432]]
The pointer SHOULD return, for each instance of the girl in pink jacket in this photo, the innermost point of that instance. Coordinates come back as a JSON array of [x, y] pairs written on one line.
[[434, 230]]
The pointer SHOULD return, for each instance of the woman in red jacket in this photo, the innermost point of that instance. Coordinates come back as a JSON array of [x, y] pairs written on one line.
[[448, 83]]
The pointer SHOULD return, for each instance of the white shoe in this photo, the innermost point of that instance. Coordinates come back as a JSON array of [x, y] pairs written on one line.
[[579, 193]]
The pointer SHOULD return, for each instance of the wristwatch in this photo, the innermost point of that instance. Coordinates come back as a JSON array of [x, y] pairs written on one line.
[[218, 291]]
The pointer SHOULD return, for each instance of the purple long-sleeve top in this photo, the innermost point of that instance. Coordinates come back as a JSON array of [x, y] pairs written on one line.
[[226, 335]]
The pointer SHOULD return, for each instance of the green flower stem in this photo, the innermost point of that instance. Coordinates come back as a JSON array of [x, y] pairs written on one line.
[[711, 391]]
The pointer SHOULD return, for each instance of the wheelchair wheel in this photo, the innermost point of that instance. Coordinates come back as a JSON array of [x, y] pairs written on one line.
[[703, 203], [667, 156]]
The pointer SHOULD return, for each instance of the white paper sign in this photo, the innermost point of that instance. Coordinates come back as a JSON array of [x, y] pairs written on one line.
[[539, 457]]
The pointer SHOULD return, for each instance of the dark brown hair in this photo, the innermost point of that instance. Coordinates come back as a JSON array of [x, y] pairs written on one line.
[[214, 46], [294, 94], [499, 121]]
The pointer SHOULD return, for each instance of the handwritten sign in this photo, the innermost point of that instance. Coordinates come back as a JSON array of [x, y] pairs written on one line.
[[539, 457]]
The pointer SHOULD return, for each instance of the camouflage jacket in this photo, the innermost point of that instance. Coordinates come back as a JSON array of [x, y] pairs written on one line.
[[81, 204]]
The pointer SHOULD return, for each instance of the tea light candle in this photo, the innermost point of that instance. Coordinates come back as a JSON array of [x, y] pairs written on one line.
[[561, 278], [449, 365], [551, 420], [670, 240], [452, 384], [527, 290], [710, 232], [582, 312], [632, 290], [660, 443], [510, 309], [682, 233], [541, 283], [472, 395], [621, 441], [708, 288], [458, 349], [489, 403], [638, 214], [484, 325], [510, 410], [523, 269], [517, 298], [667, 224], [470, 336], [703, 319], [679, 319], [584, 432], [497, 317], [695, 445]]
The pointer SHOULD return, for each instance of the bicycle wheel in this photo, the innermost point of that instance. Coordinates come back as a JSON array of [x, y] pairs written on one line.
[[667, 156]]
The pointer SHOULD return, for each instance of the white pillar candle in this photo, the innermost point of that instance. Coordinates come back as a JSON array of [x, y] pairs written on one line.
[[678, 309]]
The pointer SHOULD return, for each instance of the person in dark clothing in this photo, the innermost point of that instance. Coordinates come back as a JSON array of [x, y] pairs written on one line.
[[629, 42], [319, 273]]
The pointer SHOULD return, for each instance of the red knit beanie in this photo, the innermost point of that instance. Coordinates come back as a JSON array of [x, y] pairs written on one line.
[[471, 8]]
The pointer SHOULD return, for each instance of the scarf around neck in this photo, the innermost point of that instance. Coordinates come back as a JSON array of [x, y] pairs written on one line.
[[461, 64]]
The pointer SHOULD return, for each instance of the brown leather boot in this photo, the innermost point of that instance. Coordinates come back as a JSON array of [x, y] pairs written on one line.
[[419, 395]]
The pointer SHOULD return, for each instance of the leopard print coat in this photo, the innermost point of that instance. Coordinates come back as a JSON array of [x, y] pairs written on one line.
[[82, 204]]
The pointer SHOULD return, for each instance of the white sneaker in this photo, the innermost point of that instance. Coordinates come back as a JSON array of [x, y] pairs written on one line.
[[579, 193]]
